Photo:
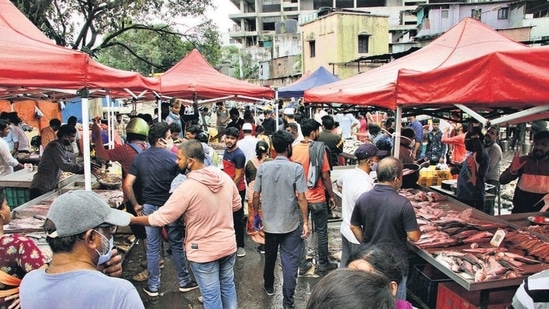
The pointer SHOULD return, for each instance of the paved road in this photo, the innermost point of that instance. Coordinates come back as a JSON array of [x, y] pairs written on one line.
[[248, 278]]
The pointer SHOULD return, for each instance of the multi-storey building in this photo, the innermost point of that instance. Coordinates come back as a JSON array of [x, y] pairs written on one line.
[[262, 27], [334, 39]]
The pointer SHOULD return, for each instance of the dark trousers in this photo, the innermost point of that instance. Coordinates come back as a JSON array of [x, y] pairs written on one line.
[[290, 249], [319, 216], [490, 205], [35, 192], [238, 221]]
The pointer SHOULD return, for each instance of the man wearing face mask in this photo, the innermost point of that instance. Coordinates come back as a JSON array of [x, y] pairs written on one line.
[[532, 171], [55, 158], [79, 229], [384, 217], [352, 184], [471, 187], [155, 168], [205, 202]]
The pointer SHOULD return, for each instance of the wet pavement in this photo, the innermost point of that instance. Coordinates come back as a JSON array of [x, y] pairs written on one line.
[[248, 278], [249, 272]]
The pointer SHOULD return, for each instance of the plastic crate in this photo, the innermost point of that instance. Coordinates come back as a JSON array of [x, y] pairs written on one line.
[[16, 196], [423, 283], [431, 177], [452, 296]]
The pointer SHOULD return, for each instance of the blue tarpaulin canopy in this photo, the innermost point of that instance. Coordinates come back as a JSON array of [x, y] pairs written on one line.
[[319, 77]]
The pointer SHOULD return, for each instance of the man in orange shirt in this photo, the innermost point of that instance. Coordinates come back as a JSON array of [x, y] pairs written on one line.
[[314, 159], [48, 134], [459, 152]]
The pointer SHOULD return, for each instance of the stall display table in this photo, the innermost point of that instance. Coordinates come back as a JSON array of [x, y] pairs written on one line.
[[28, 218], [431, 254], [452, 194]]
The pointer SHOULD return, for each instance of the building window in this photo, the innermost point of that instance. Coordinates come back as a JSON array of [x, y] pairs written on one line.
[[444, 14], [363, 41], [312, 49], [476, 13], [503, 13]]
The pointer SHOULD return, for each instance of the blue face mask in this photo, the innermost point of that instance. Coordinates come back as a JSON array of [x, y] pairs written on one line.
[[373, 167], [108, 245]]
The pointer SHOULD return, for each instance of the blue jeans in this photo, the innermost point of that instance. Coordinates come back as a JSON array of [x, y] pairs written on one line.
[[154, 241], [216, 282], [319, 218], [347, 249], [290, 250]]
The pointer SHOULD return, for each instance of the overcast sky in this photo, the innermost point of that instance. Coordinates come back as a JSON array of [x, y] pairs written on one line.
[[220, 15]]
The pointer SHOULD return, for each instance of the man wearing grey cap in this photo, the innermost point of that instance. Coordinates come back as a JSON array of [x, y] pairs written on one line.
[[79, 228], [352, 184]]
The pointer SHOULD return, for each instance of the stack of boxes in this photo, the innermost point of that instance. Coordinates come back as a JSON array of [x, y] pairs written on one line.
[[432, 177]]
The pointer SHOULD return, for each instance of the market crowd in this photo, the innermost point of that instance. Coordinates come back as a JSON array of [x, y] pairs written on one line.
[[176, 186]]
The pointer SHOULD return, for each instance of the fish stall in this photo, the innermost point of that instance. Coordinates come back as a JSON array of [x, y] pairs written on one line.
[[29, 217], [478, 251]]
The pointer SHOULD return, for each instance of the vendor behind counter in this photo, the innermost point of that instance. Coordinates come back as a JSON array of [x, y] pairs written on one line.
[[56, 158]]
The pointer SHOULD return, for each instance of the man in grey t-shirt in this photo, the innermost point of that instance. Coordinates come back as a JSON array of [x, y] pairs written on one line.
[[80, 227], [281, 184]]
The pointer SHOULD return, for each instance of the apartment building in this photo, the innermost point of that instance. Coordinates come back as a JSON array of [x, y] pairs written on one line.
[[333, 40]]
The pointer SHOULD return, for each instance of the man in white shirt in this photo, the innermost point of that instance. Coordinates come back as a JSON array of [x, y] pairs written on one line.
[[7, 161], [289, 116], [347, 123], [248, 143], [352, 184]]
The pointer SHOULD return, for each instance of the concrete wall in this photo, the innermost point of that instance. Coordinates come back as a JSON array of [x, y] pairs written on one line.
[[287, 44], [436, 24], [284, 67], [336, 40], [540, 27]]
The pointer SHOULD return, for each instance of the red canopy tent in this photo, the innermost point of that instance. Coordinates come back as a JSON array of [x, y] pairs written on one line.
[[516, 78], [468, 40], [194, 78], [31, 60]]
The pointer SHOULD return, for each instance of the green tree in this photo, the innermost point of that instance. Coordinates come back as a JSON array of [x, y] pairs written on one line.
[[92, 25], [150, 52]]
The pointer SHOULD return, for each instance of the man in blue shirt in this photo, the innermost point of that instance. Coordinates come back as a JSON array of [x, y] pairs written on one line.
[[155, 168], [418, 129]]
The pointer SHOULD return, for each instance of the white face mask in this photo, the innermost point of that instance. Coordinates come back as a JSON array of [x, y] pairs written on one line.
[[106, 245], [168, 142]]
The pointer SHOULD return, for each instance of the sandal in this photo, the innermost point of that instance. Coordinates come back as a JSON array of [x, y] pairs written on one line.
[[142, 276]]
